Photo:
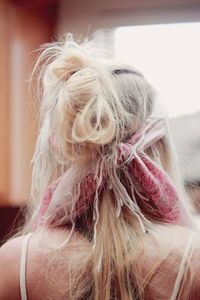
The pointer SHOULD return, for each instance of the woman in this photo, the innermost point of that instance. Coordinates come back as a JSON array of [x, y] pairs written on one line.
[[112, 223]]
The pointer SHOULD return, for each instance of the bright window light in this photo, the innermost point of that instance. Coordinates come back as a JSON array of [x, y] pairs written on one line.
[[169, 57]]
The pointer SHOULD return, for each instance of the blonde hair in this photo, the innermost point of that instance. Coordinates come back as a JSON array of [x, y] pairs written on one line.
[[89, 105]]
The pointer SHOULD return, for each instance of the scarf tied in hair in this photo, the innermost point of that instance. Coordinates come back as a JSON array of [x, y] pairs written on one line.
[[74, 192]]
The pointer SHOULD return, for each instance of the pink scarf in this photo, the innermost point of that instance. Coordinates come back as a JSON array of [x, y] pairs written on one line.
[[72, 194]]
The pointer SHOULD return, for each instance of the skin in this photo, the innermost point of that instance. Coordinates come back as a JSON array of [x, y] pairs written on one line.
[[39, 254], [40, 286]]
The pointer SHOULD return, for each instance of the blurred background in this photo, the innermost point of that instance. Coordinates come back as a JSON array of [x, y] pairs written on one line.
[[159, 37]]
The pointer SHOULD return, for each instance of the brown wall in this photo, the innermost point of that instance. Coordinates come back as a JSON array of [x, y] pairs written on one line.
[[89, 15], [22, 29], [4, 103]]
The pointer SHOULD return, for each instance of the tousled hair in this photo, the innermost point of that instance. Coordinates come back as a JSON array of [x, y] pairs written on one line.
[[89, 105]]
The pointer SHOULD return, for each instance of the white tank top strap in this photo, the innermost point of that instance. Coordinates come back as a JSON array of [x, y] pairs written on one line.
[[23, 262]]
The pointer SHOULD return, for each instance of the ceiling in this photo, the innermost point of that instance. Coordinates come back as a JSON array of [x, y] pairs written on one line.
[[90, 15]]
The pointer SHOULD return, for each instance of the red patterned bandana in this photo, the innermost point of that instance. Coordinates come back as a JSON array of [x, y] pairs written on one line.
[[71, 195]]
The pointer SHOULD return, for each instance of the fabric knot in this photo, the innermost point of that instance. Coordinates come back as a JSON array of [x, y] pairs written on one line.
[[74, 192]]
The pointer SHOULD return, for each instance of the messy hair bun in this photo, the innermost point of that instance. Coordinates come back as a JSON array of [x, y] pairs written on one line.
[[78, 98], [89, 104], [83, 117]]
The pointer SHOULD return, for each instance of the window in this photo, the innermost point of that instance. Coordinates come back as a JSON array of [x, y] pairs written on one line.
[[169, 57]]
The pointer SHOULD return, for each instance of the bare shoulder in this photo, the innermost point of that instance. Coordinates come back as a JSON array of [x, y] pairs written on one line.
[[172, 251], [48, 259], [52, 263], [9, 269]]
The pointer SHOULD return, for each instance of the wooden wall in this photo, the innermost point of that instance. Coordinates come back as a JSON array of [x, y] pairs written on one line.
[[90, 15], [4, 103], [24, 25]]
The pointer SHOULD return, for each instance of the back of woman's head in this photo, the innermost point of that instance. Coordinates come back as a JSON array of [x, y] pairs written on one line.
[[97, 116], [90, 102], [89, 105]]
